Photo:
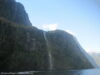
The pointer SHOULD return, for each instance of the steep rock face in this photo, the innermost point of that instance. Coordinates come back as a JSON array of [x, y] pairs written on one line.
[[26, 48], [22, 48], [14, 12], [66, 53]]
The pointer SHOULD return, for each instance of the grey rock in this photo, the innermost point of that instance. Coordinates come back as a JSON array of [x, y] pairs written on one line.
[[14, 11], [26, 48], [67, 53]]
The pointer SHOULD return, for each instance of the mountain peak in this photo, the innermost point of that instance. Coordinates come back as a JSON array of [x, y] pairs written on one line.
[[14, 11]]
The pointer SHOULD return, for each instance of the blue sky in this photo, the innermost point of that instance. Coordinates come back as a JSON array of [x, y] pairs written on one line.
[[79, 17]]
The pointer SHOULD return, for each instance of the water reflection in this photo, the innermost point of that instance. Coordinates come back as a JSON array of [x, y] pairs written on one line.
[[66, 72], [90, 72]]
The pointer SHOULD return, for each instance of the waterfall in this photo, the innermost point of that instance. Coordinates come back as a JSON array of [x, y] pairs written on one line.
[[49, 51]]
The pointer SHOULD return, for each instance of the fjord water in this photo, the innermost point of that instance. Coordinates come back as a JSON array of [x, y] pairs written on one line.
[[65, 72]]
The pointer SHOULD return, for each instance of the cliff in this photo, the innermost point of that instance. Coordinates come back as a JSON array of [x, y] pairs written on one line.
[[23, 47], [67, 53], [14, 11]]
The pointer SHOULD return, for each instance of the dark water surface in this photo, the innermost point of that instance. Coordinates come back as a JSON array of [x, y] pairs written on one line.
[[67, 72]]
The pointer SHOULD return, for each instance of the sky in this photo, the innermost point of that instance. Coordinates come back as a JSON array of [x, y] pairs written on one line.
[[78, 17]]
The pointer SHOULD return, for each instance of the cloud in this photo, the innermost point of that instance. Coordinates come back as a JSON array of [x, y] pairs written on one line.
[[48, 27], [92, 50], [70, 32]]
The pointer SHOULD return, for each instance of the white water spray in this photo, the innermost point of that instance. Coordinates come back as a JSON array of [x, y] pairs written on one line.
[[49, 51]]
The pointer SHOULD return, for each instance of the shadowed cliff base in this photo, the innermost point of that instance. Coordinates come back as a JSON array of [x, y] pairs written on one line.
[[26, 48]]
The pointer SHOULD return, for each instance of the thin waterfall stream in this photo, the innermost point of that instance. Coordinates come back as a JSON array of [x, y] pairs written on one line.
[[49, 51]]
